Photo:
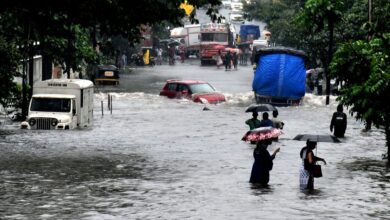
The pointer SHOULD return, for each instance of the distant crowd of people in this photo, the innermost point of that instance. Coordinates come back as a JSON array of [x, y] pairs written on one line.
[[229, 60]]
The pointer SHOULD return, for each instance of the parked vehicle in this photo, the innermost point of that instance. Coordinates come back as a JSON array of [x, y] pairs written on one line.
[[236, 5], [257, 44], [189, 35], [198, 91], [236, 17], [60, 104], [280, 76], [106, 74]]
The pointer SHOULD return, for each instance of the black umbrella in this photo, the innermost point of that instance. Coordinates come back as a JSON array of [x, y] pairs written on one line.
[[318, 138], [261, 108], [170, 42], [174, 43]]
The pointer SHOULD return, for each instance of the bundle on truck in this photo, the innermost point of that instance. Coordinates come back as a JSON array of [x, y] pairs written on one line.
[[280, 76], [60, 104]]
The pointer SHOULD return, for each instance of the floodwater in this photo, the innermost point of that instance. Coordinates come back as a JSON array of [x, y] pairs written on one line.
[[159, 158]]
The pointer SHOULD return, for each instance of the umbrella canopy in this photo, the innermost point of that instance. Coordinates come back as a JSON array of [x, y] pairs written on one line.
[[170, 42], [318, 138], [217, 47], [233, 50], [174, 43], [262, 133], [261, 108]]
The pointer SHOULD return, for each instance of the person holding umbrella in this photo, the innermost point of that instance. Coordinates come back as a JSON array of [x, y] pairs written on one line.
[[306, 178], [253, 122], [263, 162], [266, 122]]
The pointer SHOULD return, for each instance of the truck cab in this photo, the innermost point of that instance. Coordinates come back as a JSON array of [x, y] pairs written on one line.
[[60, 104], [214, 37]]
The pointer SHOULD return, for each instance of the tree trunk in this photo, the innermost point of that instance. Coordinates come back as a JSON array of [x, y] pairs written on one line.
[[47, 66], [370, 11], [24, 91], [31, 71], [330, 55], [387, 132], [69, 55]]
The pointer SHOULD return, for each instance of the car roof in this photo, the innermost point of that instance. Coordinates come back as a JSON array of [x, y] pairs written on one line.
[[107, 67], [185, 81]]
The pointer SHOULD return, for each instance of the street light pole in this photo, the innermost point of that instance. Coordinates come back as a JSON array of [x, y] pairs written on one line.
[[370, 11]]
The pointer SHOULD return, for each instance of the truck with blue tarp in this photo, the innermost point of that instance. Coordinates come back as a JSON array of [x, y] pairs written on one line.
[[249, 33], [280, 76]]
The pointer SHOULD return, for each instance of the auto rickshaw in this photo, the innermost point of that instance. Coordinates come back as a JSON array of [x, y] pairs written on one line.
[[106, 74]]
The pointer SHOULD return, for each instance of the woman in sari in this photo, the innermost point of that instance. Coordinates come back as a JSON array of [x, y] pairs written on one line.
[[306, 179]]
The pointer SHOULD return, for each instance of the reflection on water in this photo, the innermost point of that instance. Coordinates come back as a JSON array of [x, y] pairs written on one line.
[[80, 169], [375, 169], [311, 193], [260, 189], [58, 186]]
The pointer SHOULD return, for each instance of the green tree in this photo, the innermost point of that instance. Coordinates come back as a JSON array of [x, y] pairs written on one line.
[[10, 58], [318, 15], [279, 16], [68, 30], [364, 68]]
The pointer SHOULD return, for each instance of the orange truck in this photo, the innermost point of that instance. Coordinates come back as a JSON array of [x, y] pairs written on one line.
[[214, 37]]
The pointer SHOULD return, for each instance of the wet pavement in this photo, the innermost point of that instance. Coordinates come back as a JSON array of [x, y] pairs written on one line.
[[159, 158]]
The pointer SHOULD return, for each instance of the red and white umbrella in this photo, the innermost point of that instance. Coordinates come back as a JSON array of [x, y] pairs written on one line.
[[233, 50], [262, 133]]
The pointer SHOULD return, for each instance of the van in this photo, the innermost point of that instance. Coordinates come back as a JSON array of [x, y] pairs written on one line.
[[60, 104]]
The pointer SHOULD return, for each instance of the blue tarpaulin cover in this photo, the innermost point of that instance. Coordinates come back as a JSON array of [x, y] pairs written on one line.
[[249, 29], [281, 75]]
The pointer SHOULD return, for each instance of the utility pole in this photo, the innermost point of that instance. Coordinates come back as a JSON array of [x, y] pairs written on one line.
[[370, 11], [24, 90], [330, 55], [31, 69]]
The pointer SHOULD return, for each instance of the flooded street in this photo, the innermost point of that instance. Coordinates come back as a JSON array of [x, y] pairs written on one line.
[[160, 158]]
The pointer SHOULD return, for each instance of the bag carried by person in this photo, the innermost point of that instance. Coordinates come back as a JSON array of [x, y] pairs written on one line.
[[316, 171]]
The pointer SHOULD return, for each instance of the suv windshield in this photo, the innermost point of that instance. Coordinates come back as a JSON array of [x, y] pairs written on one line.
[[201, 88], [50, 105]]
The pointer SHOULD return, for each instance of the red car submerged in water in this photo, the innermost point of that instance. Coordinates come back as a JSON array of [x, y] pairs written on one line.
[[198, 91]]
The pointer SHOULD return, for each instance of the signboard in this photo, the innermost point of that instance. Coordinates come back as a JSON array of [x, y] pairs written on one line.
[[213, 27], [109, 73]]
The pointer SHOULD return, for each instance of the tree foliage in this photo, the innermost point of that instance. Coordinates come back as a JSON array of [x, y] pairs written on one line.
[[279, 17], [361, 58], [10, 58], [364, 68], [69, 30]]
